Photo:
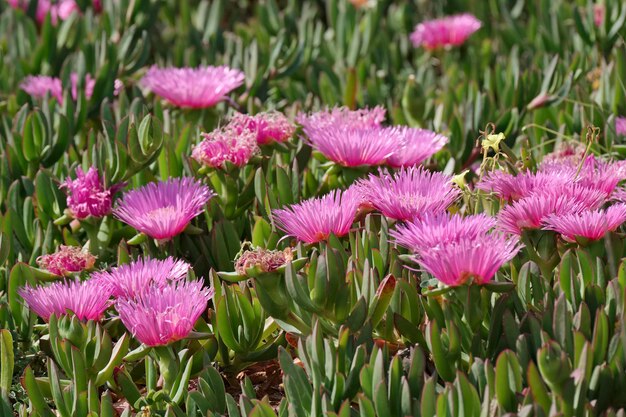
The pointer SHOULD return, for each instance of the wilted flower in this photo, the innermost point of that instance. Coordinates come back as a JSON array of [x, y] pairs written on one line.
[[265, 260], [86, 195], [529, 212], [316, 219], [343, 116], [431, 231], [620, 125], [409, 193], [159, 316], [40, 85], [591, 225], [226, 145], [132, 279], [447, 31], [415, 146], [193, 87], [66, 260], [454, 263], [163, 210], [268, 126], [87, 300]]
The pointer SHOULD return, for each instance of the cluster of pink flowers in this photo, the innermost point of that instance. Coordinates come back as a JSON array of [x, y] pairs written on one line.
[[193, 87], [163, 210], [59, 10], [455, 249], [86, 195], [268, 127], [40, 85], [445, 32], [67, 260], [353, 138]]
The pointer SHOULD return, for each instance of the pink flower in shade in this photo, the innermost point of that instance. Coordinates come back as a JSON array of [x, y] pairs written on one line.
[[454, 263], [88, 300], [591, 225], [163, 210], [448, 31], [353, 147], [40, 85], [193, 87], [513, 187], [415, 146], [160, 316], [132, 279], [355, 119], [66, 260], [86, 195], [316, 219], [530, 212], [432, 231], [409, 193], [598, 14], [226, 145], [118, 86], [269, 127], [620, 125]]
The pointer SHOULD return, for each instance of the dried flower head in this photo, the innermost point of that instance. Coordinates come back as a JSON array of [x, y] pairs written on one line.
[[226, 145], [444, 32], [265, 260], [86, 195], [67, 260], [268, 126]]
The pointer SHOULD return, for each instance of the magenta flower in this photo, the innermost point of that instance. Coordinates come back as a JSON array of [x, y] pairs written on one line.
[[163, 210], [565, 153], [513, 187], [87, 300], [409, 193], [269, 126], [226, 145], [40, 85], [193, 87], [454, 263], [132, 279], [448, 31], [432, 231], [598, 14], [620, 125], [415, 146], [86, 195], [160, 316], [67, 260], [316, 219], [591, 225], [530, 212], [354, 119], [59, 10]]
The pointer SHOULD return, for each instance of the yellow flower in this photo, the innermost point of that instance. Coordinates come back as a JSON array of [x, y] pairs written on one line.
[[493, 142]]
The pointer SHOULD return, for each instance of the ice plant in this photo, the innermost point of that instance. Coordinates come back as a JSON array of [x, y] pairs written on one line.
[[162, 315], [598, 14], [226, 145], [67, 260], [87, 196], [409, 193], [316, 219], [620, 125], [163, 210], [355, 119], [193, 87], [59, 10], [589, 225], [415, 146], [431, 231], [132, 279], [478, 259], [531, 211], [268, 126], [263, 259], [444, 32], [513, 187], [88, 300], [565, 153], [39, 85]]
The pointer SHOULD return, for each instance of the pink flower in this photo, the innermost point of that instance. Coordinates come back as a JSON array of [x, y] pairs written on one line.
[[454, 263], [86, 195], [591, 225], [432, 231], [355, 119], [87, 300], [269, 126], [316, 219], [409, 193], [40, 85], [594, 173], [66, 260], [226, 145], [132, 279], [415, 146], [565, 153], [598, 14], [620, 125], [163, 210], [193, 87], [513, 187], [448, 31], [530, 212], [118, 87], [160, 316]]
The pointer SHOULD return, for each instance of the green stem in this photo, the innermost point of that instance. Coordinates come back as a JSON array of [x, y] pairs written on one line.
[[168, 366]]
